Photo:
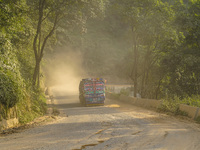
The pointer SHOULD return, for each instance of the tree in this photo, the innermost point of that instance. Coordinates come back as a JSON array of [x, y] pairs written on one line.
[[183, 71], [149, 25], [48, 15], [52, 14]]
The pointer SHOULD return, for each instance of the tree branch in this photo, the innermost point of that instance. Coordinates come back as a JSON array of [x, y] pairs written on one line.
[[47, 15], [49, 35]]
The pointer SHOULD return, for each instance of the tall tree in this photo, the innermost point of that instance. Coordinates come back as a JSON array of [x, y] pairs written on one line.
[[149, 24], [52, 14]]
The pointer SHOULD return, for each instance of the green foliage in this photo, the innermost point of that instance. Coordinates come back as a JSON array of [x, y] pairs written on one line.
[[180, 64], [16, 64], [32, 107], [11, 82], [16, 90], [10, 90], [193, 100], [3, 112], [170, 105]]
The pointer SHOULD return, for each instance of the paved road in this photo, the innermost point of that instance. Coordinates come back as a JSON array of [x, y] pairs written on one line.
[[115, 126]]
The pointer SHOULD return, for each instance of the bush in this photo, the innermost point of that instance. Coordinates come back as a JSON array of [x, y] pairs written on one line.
[[32, 107], [172, 106], [11, 83], [10, 91], [194, 100], [169, 106], [16, 69], [16, 88]]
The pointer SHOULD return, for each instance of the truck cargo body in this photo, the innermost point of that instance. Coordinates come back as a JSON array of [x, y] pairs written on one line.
[[92, 91]]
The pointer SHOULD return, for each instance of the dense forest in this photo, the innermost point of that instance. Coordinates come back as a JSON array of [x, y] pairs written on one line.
[[152, 44]]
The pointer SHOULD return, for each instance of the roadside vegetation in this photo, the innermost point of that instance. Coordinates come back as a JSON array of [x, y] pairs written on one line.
[[17, 96], [172, 105]]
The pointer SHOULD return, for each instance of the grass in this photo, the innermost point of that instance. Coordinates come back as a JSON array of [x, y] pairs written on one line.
[[29, 109], [169, 106], [172, 105]]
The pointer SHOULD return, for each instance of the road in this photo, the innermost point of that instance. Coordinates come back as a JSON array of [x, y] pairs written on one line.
[[115, 126]]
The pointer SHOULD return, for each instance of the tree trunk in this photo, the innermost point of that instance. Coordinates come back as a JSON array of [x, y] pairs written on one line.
[[134, 72], [36, 73], [39, 45], [38, 76], [143, 85], [36, 44], [158, 88], [135, 67], [145, 75]]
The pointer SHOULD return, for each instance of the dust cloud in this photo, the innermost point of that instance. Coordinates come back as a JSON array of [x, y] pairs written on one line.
[[63, 71]]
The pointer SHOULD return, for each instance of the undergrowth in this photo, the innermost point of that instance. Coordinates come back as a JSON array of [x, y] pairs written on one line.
[[18, 99], [31, 107], [193, 100], [171, 105]]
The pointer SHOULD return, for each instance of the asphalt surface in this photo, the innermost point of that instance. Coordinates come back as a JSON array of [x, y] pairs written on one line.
[[115, 126]]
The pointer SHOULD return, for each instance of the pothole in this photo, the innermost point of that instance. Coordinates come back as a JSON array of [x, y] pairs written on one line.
[[89, 145], [136, 132], [106, 123], [100, 131], [166, 133]]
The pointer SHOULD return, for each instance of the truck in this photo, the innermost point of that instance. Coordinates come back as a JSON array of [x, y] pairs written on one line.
[[92, 91]]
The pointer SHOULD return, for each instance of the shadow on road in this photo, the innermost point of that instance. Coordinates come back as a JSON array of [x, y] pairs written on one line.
[[67, 101], [68, 105], [66, 97]]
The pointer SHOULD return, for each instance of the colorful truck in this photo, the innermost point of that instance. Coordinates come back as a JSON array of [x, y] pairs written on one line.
[[92, 91]]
